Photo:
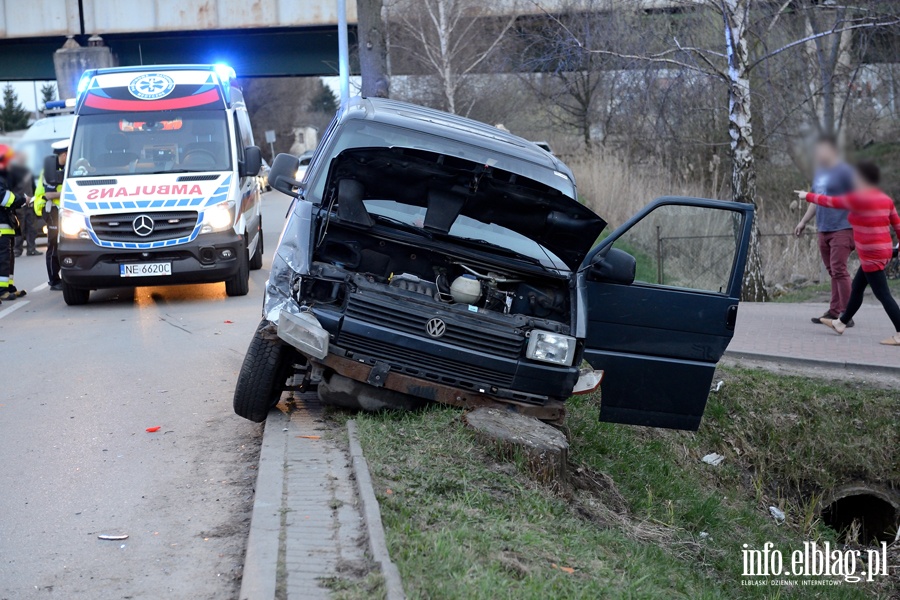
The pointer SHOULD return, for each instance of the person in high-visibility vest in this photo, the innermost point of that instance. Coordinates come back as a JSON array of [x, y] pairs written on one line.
[[50, 212], [9, 224]]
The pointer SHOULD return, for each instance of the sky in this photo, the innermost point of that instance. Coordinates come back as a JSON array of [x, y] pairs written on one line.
[[27, 90]]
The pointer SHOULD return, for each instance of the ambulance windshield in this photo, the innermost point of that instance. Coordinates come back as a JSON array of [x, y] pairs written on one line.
[[124, 143]]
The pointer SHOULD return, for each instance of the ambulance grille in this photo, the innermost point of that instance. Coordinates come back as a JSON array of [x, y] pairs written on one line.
[[92, 182], [196, 177], [166, 226]]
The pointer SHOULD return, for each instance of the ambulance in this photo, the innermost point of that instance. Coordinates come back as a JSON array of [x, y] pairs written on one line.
[[161, 182]]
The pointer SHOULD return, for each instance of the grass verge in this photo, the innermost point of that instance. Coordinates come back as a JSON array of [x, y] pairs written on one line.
[[822, 293], [658, 523]]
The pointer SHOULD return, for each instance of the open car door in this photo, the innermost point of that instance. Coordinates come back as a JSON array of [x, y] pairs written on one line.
[[658, 338]]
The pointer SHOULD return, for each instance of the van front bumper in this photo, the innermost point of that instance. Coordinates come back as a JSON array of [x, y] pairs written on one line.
[[209, 258]]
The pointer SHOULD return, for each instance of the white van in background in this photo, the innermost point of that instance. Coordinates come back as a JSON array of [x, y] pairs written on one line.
[[161, 183]]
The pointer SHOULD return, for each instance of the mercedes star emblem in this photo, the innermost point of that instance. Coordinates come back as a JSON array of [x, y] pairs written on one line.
[[143, 225], [435, 327]]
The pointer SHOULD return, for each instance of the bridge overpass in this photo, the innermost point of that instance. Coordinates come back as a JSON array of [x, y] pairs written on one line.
[[257, 37]]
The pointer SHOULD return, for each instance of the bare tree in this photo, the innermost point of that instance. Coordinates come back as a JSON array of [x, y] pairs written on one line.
[[732, 62], [581, 89], [449, 40]]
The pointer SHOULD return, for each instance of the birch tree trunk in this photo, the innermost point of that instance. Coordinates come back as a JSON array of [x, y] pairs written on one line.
[[735, 14]]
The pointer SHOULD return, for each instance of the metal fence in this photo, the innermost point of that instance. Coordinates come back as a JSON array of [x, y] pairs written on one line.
[[786, 259]]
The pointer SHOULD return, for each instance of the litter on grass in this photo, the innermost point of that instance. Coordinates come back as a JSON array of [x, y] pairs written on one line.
[[568, 570], [777, 513], [713, 459], [717, 386]]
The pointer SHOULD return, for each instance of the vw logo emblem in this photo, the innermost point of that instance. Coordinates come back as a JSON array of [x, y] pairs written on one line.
[[143, 225], [435, 327]]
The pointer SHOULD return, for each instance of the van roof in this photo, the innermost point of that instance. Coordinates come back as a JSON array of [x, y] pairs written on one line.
[[453, 126]]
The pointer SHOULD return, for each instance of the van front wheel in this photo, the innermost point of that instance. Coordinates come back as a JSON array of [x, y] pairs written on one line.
[[239, 283], [75, 296], [263, 377]]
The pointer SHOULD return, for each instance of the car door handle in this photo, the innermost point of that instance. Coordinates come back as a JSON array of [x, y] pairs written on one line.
[[731, 317]]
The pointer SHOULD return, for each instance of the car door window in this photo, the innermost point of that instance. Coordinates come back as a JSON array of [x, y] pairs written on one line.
[[684, 247], [659, 338]]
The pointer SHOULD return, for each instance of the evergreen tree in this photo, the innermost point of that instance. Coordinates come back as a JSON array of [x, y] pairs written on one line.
[[48, 93], [13, 115], [324, 101]]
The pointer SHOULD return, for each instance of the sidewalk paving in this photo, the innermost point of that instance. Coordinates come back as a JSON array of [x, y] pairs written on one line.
[[783, 332], [307, 526]]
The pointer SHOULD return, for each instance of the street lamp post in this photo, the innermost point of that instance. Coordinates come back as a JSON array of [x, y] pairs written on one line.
[[343, 51]]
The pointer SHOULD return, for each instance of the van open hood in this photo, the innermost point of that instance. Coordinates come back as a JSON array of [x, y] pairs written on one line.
[[448, 186]]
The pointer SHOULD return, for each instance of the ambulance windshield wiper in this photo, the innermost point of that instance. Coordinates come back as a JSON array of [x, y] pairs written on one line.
[[167, 171]]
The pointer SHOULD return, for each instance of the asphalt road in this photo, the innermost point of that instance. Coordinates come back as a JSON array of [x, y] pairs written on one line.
[[79, 387]]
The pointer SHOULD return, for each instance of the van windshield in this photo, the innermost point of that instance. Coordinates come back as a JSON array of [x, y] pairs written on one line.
[[125, 143]]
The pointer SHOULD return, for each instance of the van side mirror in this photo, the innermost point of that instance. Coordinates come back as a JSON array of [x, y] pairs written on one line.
[[283, 174], [53, 175], [252, 162], [614, 266]]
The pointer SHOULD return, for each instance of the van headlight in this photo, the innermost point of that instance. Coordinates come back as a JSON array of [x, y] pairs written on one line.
[[72, 225], [218, 217], [550, 347]]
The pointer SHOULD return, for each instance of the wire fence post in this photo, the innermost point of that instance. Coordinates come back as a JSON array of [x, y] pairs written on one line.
[[659, 269]]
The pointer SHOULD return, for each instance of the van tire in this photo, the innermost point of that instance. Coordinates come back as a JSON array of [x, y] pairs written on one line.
[[239, 283], [75, 296], [257, 259], [263, 376]]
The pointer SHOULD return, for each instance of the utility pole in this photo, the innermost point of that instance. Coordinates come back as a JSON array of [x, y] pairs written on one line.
[[373, 52]]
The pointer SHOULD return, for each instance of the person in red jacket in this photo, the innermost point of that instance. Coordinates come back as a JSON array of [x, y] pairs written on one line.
[[872, 216]]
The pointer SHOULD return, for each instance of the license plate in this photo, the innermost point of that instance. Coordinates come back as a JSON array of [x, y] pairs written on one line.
[[145, 269]]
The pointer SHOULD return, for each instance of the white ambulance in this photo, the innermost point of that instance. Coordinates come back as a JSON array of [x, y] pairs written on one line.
[[161, 183]]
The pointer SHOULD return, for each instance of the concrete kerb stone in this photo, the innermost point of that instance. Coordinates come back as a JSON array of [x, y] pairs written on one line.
[[261, 558], [372, 516], [811, 362]]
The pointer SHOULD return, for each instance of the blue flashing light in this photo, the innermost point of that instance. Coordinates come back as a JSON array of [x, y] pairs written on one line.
[[83, 83], [55, 104], [224, 72]]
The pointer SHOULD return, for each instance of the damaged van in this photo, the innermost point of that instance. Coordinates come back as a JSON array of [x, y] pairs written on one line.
[[431, 258]]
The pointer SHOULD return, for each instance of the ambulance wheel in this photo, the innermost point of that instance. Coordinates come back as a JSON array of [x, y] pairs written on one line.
[[257, 258], [239, 284], [264, 374], [75, 296]]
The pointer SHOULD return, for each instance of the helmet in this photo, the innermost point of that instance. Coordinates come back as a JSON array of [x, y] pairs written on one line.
[[6, 153]]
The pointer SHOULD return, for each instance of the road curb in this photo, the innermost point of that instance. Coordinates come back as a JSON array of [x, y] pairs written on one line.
[[372, 516], [811, 362], [261, 558]]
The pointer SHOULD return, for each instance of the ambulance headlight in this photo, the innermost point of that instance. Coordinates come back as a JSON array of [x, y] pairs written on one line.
[[218, 217], [550, 347], [71, 224]]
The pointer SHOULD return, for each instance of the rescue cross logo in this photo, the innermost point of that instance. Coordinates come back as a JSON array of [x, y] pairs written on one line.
[[151, 86]]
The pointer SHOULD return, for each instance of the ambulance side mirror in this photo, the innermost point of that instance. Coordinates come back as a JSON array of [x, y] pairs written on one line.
[[53, 175], [252, 162]]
